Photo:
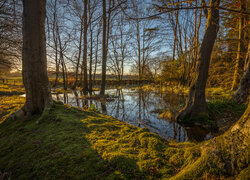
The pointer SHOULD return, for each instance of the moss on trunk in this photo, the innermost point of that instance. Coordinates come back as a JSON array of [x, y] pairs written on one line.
[[224, 156]]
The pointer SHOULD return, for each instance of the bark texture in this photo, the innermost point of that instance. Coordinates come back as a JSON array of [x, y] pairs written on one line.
[[104, 48], [241, 47], [84, 62], [196, 102], [224, 156], [34, 63], [242, 92]]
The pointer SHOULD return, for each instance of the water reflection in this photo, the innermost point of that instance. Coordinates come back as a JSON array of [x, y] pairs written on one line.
[[138, 107]]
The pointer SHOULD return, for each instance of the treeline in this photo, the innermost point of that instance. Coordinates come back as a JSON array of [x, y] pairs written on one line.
[[156, 40]]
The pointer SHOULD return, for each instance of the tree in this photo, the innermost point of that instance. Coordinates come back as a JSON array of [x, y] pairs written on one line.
[[242, 92], [84, 62], [79, 54], [241, 46], [10, 36], [35, 77], [104, 50], [227, 154], [196, 101]]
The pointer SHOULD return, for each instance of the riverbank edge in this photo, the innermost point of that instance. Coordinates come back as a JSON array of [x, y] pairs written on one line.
[[71, 143]]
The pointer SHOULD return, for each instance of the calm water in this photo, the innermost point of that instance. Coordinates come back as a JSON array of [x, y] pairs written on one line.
[[139, 108]]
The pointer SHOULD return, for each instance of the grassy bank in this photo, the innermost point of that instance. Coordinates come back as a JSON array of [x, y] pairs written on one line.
[[69, 143], [217, 92], [72, 143]]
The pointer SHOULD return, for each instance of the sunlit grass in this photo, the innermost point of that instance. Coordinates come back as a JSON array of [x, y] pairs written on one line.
[[80, 144], [215, 92], [11, 89], [75, 144], [9, 104]]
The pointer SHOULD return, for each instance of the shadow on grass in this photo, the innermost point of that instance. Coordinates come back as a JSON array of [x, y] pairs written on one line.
[[63, 146]]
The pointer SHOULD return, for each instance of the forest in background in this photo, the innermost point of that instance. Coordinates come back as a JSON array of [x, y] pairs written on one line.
[[156, 40]]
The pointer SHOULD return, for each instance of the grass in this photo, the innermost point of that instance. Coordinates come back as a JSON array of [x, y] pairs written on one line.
[[218, 106], [71, 143], [217, 92], [9, 104], [11, 89], [222, 113]]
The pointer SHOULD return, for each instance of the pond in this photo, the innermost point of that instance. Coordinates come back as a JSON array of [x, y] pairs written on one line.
[[140, 108]]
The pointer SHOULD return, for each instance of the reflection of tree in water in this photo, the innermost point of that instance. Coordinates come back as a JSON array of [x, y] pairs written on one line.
[[118, 104], [84, 101], [76, 98], [137, 108], [103, 105], [196, 133], [172, 103], [57, 97], [143, 102]]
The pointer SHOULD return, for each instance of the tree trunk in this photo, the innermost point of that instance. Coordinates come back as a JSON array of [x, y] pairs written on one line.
[[104, 51], [239, 59], [222, 156], [90, 59], [242, 93], [65, 84], [34, 63], [139, 49], [55, 39], [84, 63], [96, 55], [79, 55], [196, 102]]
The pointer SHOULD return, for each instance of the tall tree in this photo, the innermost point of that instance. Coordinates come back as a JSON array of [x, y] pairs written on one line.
[[104, 50], [196, 101], [35, 77], [241, 94], [240, 48], [79, 54], [84, 63]]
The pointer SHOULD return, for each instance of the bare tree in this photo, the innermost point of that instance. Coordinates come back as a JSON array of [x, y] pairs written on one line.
[[84, 62], [104, 48]]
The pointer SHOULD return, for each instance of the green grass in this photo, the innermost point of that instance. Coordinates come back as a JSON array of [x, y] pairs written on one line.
[[218, 106], [9, 104], [71, 143], [218, 109], [8, 90]]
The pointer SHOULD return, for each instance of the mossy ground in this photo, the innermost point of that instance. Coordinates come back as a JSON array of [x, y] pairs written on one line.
[[69, 143], [72, 143]]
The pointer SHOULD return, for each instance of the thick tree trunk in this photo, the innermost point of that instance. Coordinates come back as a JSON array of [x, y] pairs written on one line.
[[84, 63], [104, 48], [242, 92], [34, 63], [196, 102], [222, 156]]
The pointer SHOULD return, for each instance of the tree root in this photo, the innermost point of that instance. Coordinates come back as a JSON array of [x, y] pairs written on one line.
[[225, 155]]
